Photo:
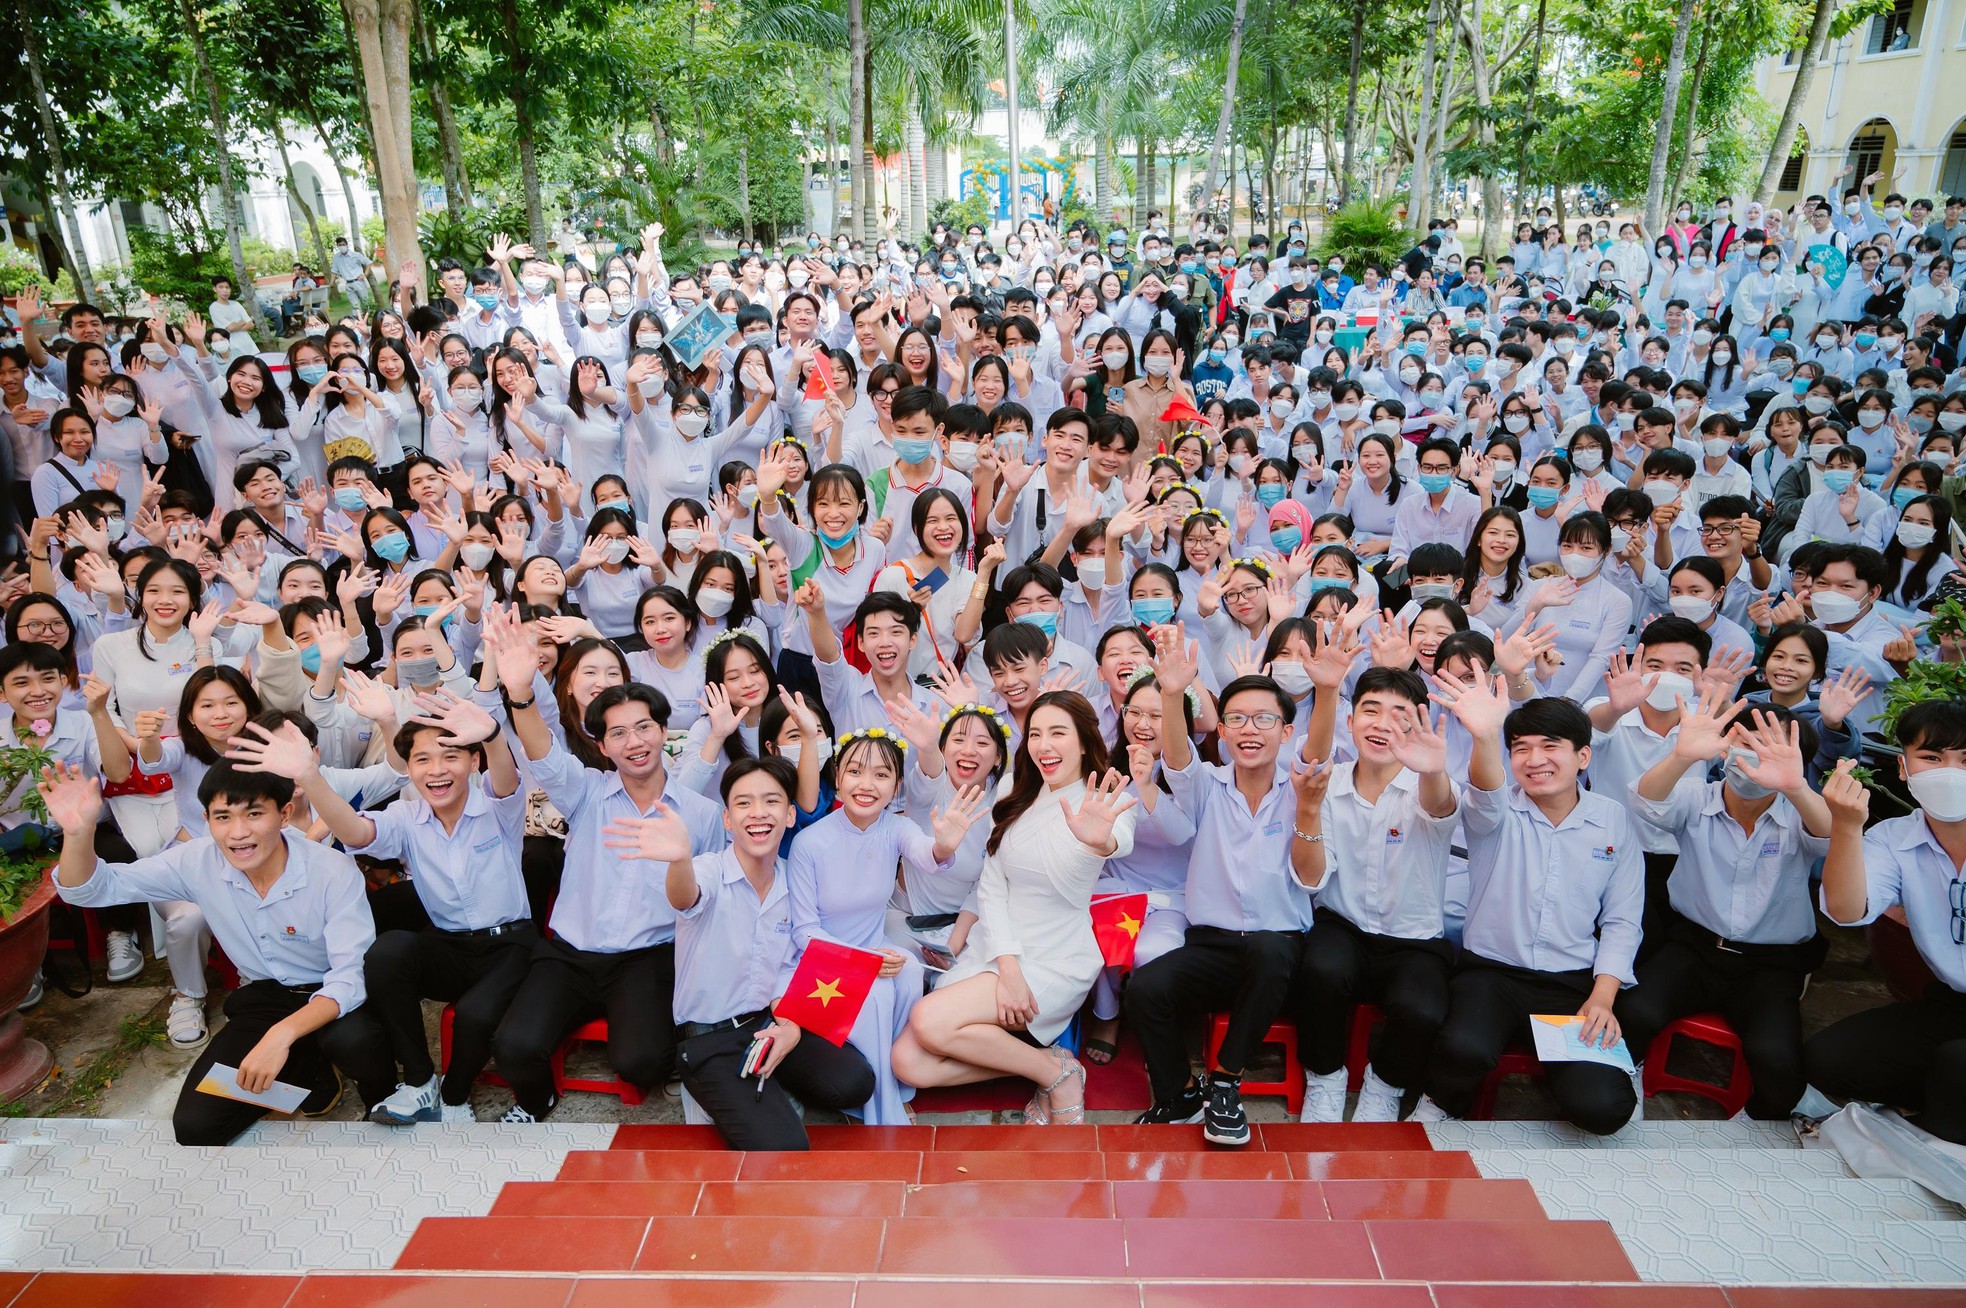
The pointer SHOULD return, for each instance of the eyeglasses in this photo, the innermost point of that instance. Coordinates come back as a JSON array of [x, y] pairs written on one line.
[[1242, 594], [1265, 721], [886, 393], [1720, 529], [1956, 892], [42, 627], [639, 731]]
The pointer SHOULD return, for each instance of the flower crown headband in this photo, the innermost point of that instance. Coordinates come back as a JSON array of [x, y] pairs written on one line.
[[729, 634], [984, 711], [1142, 674], [1214, 514], [1254, 565], [868, 733]]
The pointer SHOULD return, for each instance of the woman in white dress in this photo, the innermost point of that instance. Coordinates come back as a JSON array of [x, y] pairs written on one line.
[[1032, 958]]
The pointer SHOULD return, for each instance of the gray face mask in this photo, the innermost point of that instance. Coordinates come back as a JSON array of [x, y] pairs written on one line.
[[1737, 780], [416, 672]]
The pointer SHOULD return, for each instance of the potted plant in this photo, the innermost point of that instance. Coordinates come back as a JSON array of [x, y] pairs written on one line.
[[26, 892]]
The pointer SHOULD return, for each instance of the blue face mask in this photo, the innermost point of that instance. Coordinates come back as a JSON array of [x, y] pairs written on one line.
[[1435, 482], [1903, 495], [1866, 339], [1545, 497], [311, 372], [1044, 621], [1153, 612], [310, 660], [1228, 260], [1287, 539], [1778, 333], [1800, 385], [393, 546], [350, 498], [1475, 364], [425, 610], [1214, 358], [913, 450], [835, 542], [1416, 348], [1329, 583], [1919, 424], [1839, 479], [1271, 495], [485, 299]]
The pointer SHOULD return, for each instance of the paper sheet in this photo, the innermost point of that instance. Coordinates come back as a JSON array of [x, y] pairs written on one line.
[[1559, 1039], [223, 1081]]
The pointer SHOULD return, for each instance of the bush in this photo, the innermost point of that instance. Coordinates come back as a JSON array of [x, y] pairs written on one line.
[[972, 208], [20, 269], [1365, 231], [161, 268]]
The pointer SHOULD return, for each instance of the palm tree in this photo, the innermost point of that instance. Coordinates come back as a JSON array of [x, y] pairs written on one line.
[[1224, 119]]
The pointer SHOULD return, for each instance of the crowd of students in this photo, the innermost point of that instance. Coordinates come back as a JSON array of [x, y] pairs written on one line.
[[1473, 641]]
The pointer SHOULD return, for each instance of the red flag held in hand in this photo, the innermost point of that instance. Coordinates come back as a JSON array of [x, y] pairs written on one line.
[[819, 383], [1180, 410], [1116, 922], [828, 988]]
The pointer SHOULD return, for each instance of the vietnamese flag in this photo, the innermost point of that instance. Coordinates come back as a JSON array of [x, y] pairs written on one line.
[[819, 382], [1116, 922], [828, 988]]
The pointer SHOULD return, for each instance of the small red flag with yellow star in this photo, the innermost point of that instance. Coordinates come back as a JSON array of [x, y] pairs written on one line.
[[1116, 922], [828, 988]]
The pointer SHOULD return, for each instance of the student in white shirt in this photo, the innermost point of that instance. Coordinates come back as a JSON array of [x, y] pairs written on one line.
[[1908, 1054]]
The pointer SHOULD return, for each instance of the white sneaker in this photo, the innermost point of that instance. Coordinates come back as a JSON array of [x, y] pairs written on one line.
[[409, 1103], [1378, 1100], [1324, 1096], [1638, 1089], [125, 957], [1428, 1111], [455, 1113], [34, 992], [517, 1114], [186, 1023]]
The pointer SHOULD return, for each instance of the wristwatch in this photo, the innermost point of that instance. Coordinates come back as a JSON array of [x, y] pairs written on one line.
[[514, 705]]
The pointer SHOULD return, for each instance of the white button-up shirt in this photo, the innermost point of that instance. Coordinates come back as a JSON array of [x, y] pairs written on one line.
[[1239, 878], [734, 951], [1387, 861], [1553, 898], [468, 879], [1747, 886], [312, 927], [1904, 864]]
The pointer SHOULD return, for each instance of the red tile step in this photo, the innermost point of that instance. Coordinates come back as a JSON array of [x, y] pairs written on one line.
[[942, 1166], [1282, 1137]]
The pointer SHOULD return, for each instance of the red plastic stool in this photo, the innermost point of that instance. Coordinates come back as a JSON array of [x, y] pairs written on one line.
[[228, 975], [1281, 1033], [1709, 1028], [596, 1031], [1358, 1054], [94, 944], [1516, 1060]]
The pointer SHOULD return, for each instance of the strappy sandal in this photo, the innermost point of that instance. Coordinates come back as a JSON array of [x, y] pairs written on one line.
[[1068, 1068]]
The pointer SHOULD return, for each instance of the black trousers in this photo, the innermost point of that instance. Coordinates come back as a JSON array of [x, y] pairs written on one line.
[[479, 974], [250, 1012], [1758, 990], [1248, 973], [1909, 1055], [816, 1073], [565, 988], [396, 907], [1343, 967], [1657, 919], [1488, 1008], [541, 862]]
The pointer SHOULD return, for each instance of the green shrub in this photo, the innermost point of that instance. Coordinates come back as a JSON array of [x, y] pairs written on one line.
[[19, 269], [1365, 231], [976, 207]]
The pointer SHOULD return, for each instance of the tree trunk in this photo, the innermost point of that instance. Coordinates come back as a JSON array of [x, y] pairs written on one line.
[[379, 25], [1529, 114], [859, 123], [1492, 216], [1805, 73], [1688, 161], [75, 255], [1351, 99], [1420, 202], [916, 149], [832, 153], [235, 234], [1104, 180], [806, 215], [293, 192], [935, 155], [1225, 118], [1139, 182], [450, 146], [353, 225], [870, 222], [518, 89], [744, 186], [1655, 186]]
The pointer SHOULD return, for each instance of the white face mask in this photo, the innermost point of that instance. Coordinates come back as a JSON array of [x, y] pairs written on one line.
[[1114, 359], [1835, 608], [1587, 460], [684, 539], [1915, 535], [1281, 409], [648, 340], [1504, 473], [1386, 426], [1092, 572], [1691, 607], [962, 455], [117, 405], [1292, 676], [1516, 423], [1661, 493], [1346, 412], [1668, 690], [1579, 566], [621, 304], [1716, 447], [1941, 792], [597, 314], [153, 352], [1159, 365], [1723, 357], [475, 555], [468, 398], [1620, 540], [1304, 453], [714, 603], [793, 752], [692, 425], [1410, 374], [616, 550], [534, 284]]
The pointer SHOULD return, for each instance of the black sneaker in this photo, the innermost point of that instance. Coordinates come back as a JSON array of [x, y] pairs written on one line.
[[1224, 1122], [1186, 1109]]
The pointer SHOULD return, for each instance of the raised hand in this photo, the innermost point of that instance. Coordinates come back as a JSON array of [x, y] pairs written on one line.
[[717, 709], [1392, 643], [1625, 683], [1092, 824], [662, 837], [1847, 797], [1777, 749], [1726, 670], [73, 797], [921, 730], [1840, 696], [205, 622], [149, 724], [1481, 705], [284, 753], [1336, 652], [367, 696], [952, 685], [464, 723], [1702, 734], [1311, 783], [1176, 658], [1419, 746], [1520, 650], [953, 822]]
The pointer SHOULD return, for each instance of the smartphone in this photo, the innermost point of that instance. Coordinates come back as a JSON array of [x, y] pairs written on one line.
[[755, 1057], [935, 580]]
